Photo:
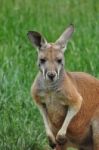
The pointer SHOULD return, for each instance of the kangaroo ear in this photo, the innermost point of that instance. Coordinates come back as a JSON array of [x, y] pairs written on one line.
[[37, 39], [64, 38]]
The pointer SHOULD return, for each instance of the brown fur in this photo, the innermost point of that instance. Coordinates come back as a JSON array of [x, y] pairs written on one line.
[[78, 129], [76, 90]]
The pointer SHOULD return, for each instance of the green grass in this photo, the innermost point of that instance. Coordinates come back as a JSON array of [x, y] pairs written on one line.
[[21, 126]]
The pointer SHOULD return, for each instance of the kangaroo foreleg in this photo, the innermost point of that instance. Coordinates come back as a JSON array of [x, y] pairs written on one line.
[[46, 120], [72, 111]]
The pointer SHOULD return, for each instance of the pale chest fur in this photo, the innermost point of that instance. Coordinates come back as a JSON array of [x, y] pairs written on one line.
[[55, 103]]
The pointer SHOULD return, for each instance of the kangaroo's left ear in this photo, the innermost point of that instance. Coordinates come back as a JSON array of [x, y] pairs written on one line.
[[37, 39], [64, 38]]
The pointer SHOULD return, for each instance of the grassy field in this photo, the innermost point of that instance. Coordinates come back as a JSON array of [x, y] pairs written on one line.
[[21, 126]]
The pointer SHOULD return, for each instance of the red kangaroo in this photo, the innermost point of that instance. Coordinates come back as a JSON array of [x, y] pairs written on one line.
[[68, 101]]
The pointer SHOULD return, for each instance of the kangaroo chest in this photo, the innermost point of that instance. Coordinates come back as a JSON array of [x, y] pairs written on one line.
[[55, 103]]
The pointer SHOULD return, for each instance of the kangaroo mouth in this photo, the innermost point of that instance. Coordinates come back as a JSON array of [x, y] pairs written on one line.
[[52, 78]]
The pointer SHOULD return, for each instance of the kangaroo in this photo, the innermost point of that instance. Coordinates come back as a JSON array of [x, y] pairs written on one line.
[[68, 101]]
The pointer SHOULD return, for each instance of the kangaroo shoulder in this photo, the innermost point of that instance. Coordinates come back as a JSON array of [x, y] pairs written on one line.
[[37, 87]]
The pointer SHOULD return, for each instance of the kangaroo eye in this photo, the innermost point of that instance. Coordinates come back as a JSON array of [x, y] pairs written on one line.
[[42, 60], [59, 61]]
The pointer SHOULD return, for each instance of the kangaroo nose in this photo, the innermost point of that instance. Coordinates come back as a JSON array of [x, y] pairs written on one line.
[[51, 75]]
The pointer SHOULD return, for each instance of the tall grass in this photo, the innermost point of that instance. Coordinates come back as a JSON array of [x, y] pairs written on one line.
[[21, 126]]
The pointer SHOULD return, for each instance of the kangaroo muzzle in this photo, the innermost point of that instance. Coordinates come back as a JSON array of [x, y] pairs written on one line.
[[51, 75]]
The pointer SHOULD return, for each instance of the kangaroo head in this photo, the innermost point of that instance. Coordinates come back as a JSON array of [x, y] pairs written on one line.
[[51, 55]]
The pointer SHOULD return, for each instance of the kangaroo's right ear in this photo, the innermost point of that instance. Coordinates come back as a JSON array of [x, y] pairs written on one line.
[[64, 38], [36, 39]]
